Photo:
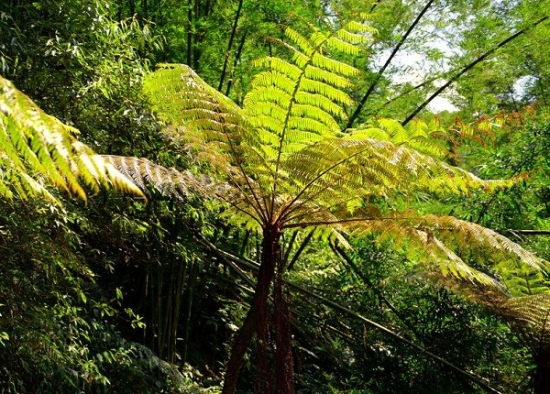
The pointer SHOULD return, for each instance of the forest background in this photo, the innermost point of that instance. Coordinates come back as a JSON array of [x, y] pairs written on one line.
[[140, 272]]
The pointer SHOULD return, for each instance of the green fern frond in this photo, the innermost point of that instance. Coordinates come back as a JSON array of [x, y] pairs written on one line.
[[375, 133], [436, 259], [442, 260], [418, 135], [364, 29], [398, 134], [350, 167], [278, 65], [37, 149], [186, 101], [337, 66], [330, 78], [460, 232], [322, 88], [276, 79], [270, 94], [523, 280], [303, 44], [322, 102]]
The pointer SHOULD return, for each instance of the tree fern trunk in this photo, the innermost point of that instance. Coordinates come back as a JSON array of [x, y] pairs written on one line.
[[284, 366], [256, 319]]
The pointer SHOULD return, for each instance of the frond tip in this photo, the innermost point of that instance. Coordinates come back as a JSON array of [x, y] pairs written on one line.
[[38, 149], [167, 181]]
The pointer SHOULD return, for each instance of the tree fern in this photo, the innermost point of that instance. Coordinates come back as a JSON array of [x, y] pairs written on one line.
[[37, 150], [287, 163]]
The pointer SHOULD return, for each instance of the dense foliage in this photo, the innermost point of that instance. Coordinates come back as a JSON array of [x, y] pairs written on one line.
[[269, 197]]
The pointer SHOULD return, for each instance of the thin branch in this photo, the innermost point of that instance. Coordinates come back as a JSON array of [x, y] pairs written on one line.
[[359, 108], [230, 44], [469, 67], [305, 242], [235, 63], [526, 232], [373, 7], [289, 245], [471, 376], [406, 92], [340, 252]]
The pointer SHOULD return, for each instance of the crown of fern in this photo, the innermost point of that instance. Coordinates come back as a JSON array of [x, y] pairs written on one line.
[[284, 158]]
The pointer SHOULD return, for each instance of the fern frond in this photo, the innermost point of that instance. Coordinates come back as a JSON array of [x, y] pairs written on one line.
[[280, 66], [418, 135], [503, 253], [304, 45], [301, 100], [435, 258], [185, 101], [206, 122], [351, 167], [38, 148], [360, 27], [337, 66], [274, 78], [167, 181], [532, 312], [333, 94], [397, 133], [446, 242], [343, 46], [375, 133], [327, 77]]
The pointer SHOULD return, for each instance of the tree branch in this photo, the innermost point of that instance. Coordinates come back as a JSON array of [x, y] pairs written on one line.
[[359, 108], [230, 44], [469, 67]]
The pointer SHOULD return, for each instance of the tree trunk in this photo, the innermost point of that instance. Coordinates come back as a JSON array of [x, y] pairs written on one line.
[[256, 319], [284, 366]]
